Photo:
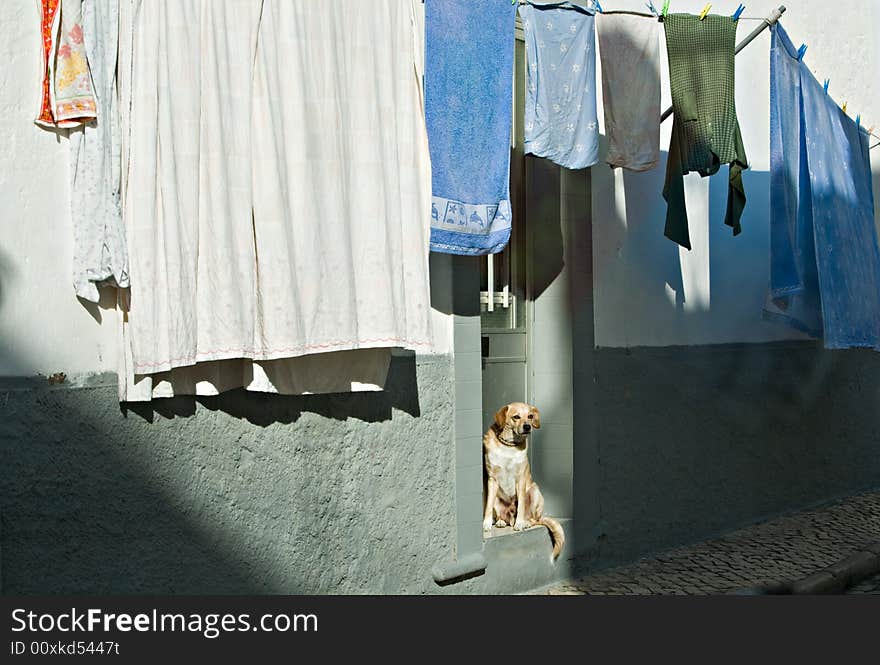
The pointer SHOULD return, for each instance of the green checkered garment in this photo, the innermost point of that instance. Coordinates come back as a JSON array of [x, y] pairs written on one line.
[[705, 132]]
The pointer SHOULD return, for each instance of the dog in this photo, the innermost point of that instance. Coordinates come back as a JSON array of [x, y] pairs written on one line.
[[512, 497]]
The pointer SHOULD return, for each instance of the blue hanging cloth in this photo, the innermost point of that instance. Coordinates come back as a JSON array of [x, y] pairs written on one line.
[[825, 259], [469, 49], [561, 120]]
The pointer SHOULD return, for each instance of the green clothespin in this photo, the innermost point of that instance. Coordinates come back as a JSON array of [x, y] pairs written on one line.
[[665, 8]]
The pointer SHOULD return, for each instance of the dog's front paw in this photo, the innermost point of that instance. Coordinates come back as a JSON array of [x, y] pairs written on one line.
[[501, 524], [520, 526]]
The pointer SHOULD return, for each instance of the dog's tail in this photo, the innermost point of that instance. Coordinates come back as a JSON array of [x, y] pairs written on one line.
[[556, 534]]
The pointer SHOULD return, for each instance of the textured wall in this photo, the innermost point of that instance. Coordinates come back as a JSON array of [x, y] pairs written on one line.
[[693, 442], [241, 493]]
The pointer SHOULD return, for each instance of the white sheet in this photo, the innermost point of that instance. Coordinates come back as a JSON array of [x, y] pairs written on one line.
[[99, 250], [278, 195]]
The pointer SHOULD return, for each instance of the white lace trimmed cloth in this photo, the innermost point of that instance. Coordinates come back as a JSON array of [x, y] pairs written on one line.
[[278, 196]]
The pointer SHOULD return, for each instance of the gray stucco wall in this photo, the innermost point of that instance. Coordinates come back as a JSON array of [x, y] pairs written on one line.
[[236, 494], [357, 493], [694, 442]]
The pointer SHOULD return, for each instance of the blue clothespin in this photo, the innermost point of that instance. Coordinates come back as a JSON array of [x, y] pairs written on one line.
[[802, 51], [652, 8], [827, 83], [859, 121], [597, 6], [738, 12]]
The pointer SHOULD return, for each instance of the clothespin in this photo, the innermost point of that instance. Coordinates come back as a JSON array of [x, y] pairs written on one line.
[[652, 8], [597, 6], [827, 83], [845, 104], [665, 7], [802, 51], [738, 12], [705, 11], [859, 120]]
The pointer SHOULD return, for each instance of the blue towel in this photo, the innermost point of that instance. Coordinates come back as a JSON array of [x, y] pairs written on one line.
[[469, 48], [561, 118], [825, 259]]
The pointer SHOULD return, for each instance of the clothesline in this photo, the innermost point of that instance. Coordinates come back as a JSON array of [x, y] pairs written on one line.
[[767, 22], [596, 9]]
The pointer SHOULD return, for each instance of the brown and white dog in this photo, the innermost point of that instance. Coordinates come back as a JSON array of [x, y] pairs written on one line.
[[512, 497]]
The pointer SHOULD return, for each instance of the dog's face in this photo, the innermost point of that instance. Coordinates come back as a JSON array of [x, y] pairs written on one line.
[[518, 418]]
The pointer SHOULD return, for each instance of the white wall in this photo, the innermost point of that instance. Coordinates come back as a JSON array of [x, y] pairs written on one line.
[[44, 329], [648, 292]]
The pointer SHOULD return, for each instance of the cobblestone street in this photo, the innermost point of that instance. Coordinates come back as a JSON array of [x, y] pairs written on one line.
[[868, 588], [785, 549]]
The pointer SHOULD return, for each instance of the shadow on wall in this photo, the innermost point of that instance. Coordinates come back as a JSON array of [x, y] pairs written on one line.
[[81, 514], [240, 493], [692, 441], [92, 503], [732, 419], [545, 233], [107, 301], [7, 276], [645, 297], [401, 393]]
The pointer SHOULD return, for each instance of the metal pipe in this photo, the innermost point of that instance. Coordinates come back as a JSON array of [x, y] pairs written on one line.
[[774, 17], [490, 282]]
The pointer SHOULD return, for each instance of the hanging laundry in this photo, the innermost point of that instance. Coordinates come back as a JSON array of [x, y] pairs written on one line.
[[825, 260], [468, 91], [705, 132], [99, 251], [561, 120], [67, 97], [629, 46], [288, 225], [341, 173]]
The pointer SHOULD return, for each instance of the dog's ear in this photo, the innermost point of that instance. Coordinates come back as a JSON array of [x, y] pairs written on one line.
[[536, 421], [501, 417]]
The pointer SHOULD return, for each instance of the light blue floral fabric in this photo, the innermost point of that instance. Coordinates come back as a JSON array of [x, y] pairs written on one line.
[[825, 259], [561, 121]]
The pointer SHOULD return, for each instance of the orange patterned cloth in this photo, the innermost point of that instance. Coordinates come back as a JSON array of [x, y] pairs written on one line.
[[68, 99]]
